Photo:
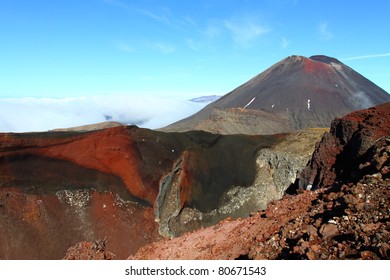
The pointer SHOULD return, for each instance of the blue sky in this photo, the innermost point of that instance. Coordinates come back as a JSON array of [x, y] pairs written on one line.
[[73, 48]]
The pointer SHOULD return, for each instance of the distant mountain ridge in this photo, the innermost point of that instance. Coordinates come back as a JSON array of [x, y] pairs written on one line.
[[295, 93], [206, 99]]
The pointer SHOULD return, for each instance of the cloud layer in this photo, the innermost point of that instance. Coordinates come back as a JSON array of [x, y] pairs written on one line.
[[41, 114]]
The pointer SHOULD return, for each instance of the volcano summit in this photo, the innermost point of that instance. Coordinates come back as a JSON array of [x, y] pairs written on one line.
[[293, 94]]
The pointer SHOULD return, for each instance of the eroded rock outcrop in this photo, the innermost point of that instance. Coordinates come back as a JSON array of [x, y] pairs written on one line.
[[342, 154]]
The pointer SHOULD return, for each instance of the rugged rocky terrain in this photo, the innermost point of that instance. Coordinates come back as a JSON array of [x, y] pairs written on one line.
[[133, 185], [293, 94], [343, 223], [346, 217]]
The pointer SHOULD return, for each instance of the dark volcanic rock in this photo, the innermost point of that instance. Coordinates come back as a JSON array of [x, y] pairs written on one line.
[[295, 93], [346, 153]]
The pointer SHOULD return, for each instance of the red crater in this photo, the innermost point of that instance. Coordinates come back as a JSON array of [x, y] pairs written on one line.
[[316, 67], [60, 188], [109, 151]]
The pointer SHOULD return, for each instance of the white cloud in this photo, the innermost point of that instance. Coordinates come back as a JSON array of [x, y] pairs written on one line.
[[41, 114], [165, 48], [195, 46], [213, 30], [242, 30], [117, 3], [366, 56], [285, 43], [124, 47], [325, 33], [162, 47], [245, 31], [189, 20], [163, 15]]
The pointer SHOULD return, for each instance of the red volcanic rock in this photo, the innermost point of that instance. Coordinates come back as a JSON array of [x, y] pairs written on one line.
[[109, 151], [61, 188], [89, 251], [342, 154], [313, 66], [329, 231]]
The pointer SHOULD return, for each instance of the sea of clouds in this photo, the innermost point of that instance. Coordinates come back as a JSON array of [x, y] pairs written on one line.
[[42, 114]]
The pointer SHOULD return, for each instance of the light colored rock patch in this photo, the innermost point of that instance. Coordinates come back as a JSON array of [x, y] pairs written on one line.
[[78, 200], [75, 198]]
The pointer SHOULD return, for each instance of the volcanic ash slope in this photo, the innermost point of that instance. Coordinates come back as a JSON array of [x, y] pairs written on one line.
[[293, 94]]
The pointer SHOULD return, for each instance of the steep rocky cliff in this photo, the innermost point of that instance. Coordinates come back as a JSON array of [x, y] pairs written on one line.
[[275, 169], [343, 154]]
